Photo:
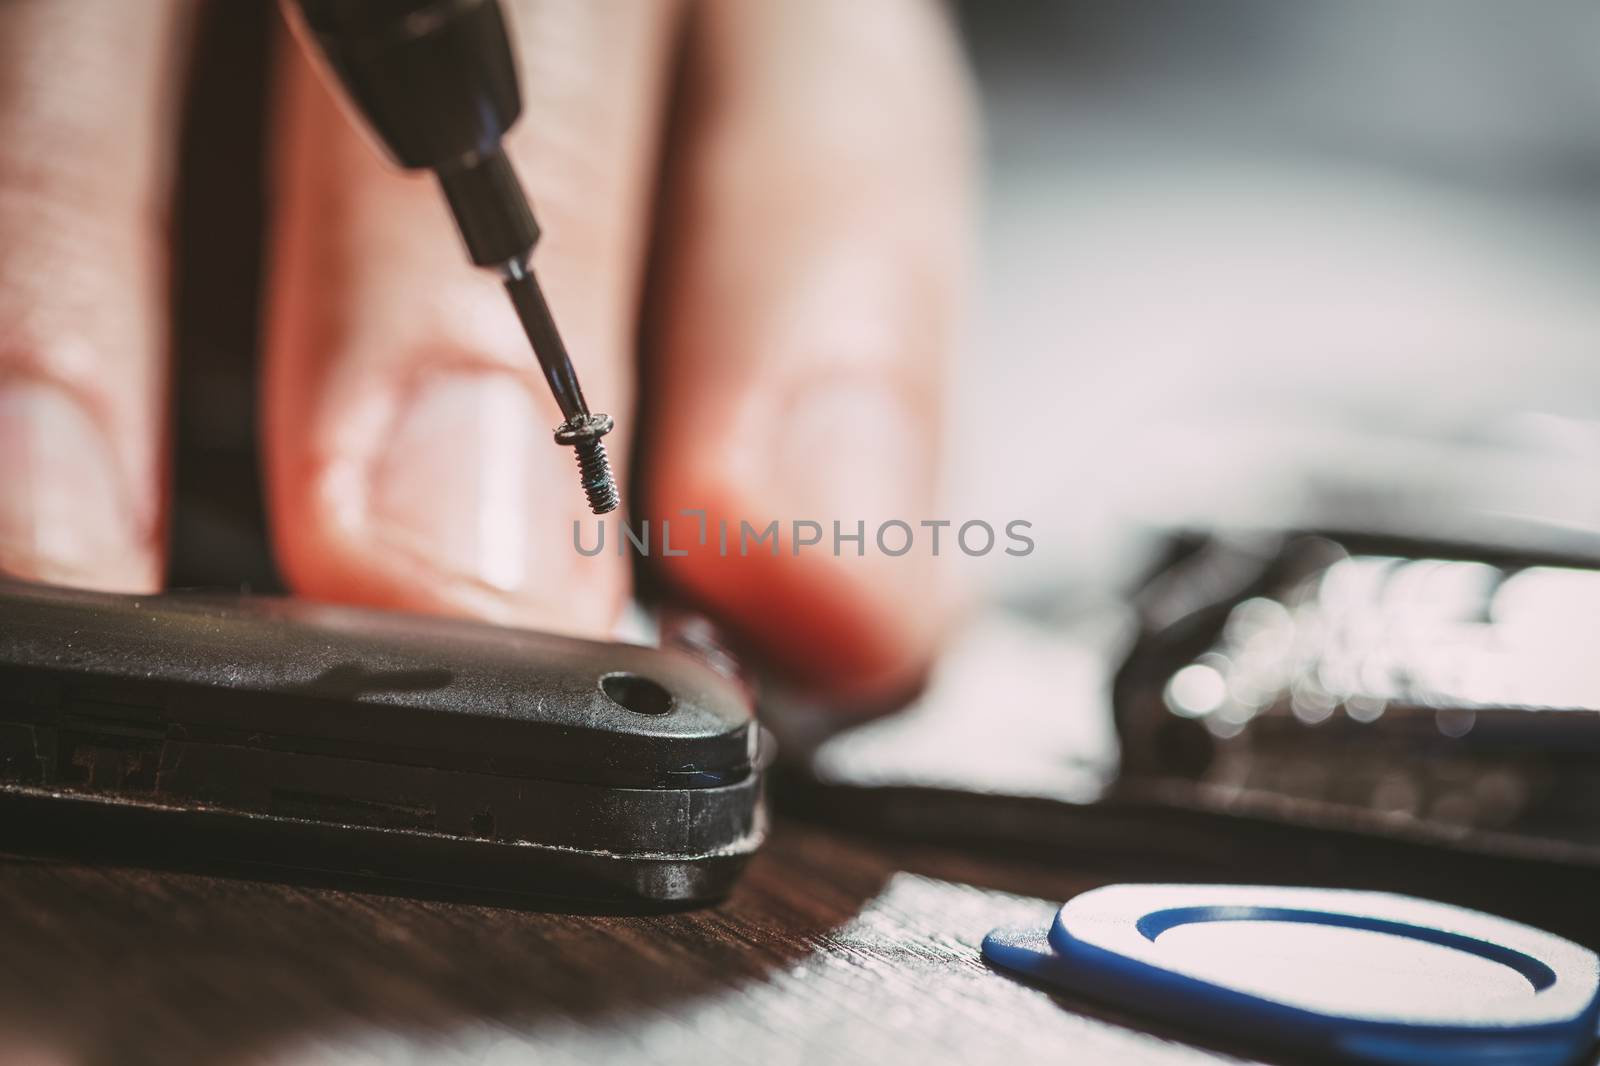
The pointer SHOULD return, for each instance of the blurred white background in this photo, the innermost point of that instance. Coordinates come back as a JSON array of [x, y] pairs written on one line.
[[1256, 261]]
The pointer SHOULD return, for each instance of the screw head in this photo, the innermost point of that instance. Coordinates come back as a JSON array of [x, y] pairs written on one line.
[[583, 427]]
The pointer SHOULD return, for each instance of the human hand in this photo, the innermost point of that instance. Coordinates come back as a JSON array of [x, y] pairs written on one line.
[[809, 208]]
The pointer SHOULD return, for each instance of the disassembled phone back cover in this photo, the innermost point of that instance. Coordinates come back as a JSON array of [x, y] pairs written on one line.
[[284, 734], [1412, 715]]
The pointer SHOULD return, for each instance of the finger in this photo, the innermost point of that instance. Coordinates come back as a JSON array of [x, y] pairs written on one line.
[[88, 97], [409, 432], [814, 251]]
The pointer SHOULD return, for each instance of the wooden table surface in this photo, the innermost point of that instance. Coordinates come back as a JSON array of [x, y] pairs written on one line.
[[831, 949]]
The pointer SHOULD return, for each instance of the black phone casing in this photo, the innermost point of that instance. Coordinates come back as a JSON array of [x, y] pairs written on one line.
[[285, 734]]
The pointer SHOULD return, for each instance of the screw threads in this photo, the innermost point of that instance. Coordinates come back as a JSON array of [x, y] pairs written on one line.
[[583, 433], [594, 470]]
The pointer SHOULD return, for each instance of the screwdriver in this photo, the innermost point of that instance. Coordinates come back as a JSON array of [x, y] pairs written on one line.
[[436, 82]]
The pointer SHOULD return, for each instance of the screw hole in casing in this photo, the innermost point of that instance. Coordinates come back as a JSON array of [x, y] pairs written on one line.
[[637, 694]]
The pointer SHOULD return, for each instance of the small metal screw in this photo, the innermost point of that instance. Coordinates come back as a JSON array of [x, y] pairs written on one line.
[[583, 433]]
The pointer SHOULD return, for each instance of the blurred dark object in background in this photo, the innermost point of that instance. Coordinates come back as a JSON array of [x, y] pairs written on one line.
[[1361, 711], [1418, 689]]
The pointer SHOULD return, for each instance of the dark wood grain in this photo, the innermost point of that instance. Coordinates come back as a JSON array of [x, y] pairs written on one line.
[[828, 951]]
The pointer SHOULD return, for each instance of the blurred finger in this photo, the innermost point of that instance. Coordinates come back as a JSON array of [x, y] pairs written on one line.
[[88, 99], [815, 246]]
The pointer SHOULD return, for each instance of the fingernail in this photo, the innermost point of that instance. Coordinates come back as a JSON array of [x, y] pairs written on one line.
[[65, 513], [454, 485], [850, 450]]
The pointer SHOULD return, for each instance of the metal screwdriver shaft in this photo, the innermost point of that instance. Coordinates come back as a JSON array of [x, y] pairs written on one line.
[[581, 430]]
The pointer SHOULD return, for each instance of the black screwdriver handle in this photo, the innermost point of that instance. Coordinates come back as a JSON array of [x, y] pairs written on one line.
[[436, 82]]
